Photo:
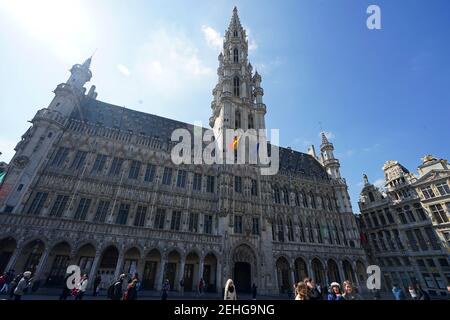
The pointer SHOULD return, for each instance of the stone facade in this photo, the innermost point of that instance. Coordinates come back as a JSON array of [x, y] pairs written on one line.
[[404, 230], [93, 184]]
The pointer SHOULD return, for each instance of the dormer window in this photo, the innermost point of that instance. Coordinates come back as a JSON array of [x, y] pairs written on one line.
[[236, 55]]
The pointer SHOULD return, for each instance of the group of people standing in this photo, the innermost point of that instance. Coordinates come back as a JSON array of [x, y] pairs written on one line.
[[15, 286], [308, 290], [415, 291]]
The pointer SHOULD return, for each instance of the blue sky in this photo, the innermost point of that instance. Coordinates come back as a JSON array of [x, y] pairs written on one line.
[[381, 94]]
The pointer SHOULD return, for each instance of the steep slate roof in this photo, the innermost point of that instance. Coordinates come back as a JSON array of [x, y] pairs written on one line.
[[112, 116]]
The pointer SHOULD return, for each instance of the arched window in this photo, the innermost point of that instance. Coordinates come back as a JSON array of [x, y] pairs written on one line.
[[310, 232], [235, 33], [250, 122], [305, 200], [286, 196], [330, 204], [313, 200], [290, 230], [276, 195], [322, 202], [297, 199], [319, 233], [236, 87], [302, 231], [280, 230], [236, 55], [338, 238], [371, 197], [330, 234], [237, 119]]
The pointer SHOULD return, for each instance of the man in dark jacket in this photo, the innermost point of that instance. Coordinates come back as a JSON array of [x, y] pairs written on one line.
[[118, 289], [313, 292], [97, 281]]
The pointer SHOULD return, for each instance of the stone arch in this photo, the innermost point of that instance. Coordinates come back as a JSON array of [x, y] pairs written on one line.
[[108, 264], [30, 255], [8, 245], [84, 256], [191, 270], [300, 269], [172, 266], [210, 272], [132, 256], [318, 271], [152, 263], [58, 261], [244, 266], [283, 274], [349, 273], [333, 271], [360, 271]]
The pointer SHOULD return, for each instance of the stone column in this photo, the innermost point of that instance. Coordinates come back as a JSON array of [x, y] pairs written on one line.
[[218, 277], [93, 271], [355, 273], [200, 269], [341, 273], [119, 266], [42, 261], [141, 266], [292, 276], [160, 274], [311, 274]]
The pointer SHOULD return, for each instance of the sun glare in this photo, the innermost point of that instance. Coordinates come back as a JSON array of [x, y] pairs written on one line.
[[62, 26]]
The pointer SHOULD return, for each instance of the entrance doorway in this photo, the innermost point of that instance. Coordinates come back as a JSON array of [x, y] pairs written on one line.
[[189, 277], [242, 276]]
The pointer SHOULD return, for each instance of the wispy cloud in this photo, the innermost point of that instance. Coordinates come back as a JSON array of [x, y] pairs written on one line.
[[123, 70], [212, 37], [168, 61], [252, 45]]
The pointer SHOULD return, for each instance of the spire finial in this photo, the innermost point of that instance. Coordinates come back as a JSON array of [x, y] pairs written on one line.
[[366, 179], [324, 137]]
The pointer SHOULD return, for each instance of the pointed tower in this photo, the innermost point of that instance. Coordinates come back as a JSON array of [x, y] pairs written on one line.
[[238, 96], [331, 164]]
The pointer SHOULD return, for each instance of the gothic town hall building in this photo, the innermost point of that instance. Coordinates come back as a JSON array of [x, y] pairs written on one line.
[[93, 184]]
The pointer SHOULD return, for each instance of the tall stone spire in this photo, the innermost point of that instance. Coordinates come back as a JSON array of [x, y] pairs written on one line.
[[80, 75]]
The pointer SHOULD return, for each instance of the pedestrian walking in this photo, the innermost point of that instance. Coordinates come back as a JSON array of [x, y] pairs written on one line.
[[13, 284], [131, 293], [22, 285], [350, 291], [4, 282], [254, 291], [230, 291], [417, 293], [65, 288], [165, 290], [201, 287], [335, 292], [182, 287]]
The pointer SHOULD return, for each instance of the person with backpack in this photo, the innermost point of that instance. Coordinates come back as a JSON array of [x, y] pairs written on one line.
[[13, 284], [22, 285]]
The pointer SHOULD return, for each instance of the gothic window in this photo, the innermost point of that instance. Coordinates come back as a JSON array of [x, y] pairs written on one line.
[[115, 167], [139, 219], [290, 230], [280, 230], [338, 239], [160, 219], [175, 222], [330, 234], [305, 200], [59, 206], [102, 209], [236, 87], [238, 184], [149, 173], [254, 190], [237, 119], [193, 222], [343, 233], [319, 233], [236, 55], [122, 216], [207, 225], [181, 179], [134, 169], [235, 33], [99, 163], [313, 200], [82, 209], [251, 125], [276, 194], [302, 232], [237, 224], [255, 226], [330, 205], [310, 232], [167, 176], [371, 197], [78, 162], [197, 185], [60, 156], [297, 199], [322, 202], [286, 196], [210, 184]]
